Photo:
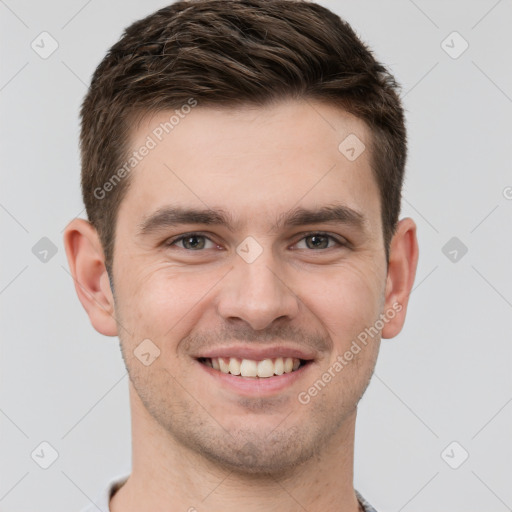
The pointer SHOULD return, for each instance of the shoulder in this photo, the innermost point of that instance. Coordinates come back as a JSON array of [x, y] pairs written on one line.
[[101, 503], [366, 506]]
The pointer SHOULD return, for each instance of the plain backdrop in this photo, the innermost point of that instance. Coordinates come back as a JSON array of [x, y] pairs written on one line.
[[442, 389]]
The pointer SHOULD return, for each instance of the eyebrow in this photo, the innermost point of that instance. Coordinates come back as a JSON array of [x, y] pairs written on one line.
[[172, 216]]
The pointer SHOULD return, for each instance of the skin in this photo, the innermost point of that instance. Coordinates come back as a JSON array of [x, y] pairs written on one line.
[[198, 442]]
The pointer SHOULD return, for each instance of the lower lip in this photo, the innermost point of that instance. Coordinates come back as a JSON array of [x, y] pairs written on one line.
[[256, 386]]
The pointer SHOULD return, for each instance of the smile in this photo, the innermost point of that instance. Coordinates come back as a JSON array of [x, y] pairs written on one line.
[[263, 369]]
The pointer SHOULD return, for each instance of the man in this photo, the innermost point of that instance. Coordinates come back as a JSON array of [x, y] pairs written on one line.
[[242, 165]]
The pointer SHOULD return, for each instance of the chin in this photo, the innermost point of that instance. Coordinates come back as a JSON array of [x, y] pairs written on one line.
[[265, 455], [246, 462]]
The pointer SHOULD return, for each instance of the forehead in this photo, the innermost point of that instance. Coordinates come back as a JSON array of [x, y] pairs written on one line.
[[254, 162]]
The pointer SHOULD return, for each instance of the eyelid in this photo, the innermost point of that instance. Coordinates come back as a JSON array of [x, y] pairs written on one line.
[[171, 241], [342, 242]]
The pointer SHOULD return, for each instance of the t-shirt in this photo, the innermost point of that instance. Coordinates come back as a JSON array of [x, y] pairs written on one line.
[[102, 502]]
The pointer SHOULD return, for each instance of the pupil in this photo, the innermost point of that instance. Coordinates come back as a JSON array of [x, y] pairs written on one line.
[[192, 245], [318, 241]]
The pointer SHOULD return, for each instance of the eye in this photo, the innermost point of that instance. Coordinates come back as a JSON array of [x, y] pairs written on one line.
[[192, 242], [198, 242], [317, 241]]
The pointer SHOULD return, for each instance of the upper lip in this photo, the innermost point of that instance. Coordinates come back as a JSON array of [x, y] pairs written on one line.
[[257, 353]]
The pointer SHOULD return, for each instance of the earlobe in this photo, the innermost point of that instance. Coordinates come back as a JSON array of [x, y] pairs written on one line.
[[87, 266], [403, 261]]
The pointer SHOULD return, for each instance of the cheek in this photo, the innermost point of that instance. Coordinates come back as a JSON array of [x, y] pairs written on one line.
[[345, 300], [346, 304], [162, 303]]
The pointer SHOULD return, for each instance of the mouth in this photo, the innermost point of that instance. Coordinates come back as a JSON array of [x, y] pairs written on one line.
[[255, 369]]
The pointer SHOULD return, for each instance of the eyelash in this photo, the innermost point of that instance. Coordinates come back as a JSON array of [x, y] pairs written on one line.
[[339, 242]]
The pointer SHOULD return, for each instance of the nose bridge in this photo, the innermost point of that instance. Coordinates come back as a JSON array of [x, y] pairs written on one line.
[[255, 291]]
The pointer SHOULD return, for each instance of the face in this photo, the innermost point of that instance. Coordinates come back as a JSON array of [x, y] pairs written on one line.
[[248, 242]]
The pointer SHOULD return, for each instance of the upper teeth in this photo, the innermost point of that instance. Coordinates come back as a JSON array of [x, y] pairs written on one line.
[[252, 368]]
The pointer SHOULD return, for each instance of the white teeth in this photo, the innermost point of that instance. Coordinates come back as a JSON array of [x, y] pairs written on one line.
[[224, 366], [234, 366], [279, 366], [265, 368], [248, 368], [251, 368]]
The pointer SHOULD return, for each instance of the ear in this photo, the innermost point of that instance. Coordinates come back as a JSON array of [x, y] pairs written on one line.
[[87, 264], [403, 260]]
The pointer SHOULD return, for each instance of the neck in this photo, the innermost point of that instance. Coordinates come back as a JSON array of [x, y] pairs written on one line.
[[166, 476]]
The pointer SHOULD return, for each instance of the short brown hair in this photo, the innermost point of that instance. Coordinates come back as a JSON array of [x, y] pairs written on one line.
[[229, 53]]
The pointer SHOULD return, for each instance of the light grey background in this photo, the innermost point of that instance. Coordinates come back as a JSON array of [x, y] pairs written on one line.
[[446, 377]]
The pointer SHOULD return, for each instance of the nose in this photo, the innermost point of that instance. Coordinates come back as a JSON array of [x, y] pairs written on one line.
[[256, 293]]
